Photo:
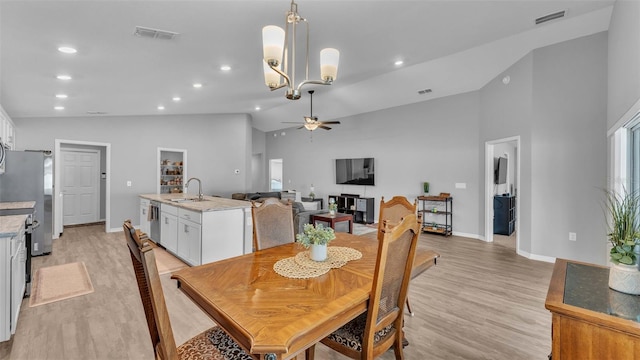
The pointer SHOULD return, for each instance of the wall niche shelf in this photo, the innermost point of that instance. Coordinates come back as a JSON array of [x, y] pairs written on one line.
[[171, 171]]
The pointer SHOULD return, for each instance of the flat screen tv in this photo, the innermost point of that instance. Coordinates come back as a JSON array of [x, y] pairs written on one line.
[[355, 171], [501, 171]]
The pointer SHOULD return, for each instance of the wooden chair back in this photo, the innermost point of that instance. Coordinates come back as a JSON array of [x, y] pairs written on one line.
[[396, 253], [151, 294], [394, 210], [272, 224]]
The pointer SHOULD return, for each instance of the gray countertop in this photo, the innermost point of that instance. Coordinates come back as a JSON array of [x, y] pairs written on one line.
[[10, 225], [12, 205], [210, 203]]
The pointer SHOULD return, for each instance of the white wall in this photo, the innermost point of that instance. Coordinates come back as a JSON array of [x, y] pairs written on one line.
[[434, 141], [215, 144], [623, 59], [569, 149]]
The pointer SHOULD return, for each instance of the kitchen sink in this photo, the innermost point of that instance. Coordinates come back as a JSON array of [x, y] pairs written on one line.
[[182, 200]]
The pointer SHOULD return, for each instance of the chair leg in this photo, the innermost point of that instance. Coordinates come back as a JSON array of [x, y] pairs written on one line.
[[310, 353], [409, 307]]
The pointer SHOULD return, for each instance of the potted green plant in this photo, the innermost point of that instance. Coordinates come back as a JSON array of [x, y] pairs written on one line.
[[333, 207], [317, 238], [623, 234]]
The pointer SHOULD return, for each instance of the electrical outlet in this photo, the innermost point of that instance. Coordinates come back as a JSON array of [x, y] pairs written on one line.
[[35, 247], [129, 183], [572, 236]]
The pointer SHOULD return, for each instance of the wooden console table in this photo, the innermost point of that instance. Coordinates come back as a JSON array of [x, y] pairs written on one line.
[[589, 320]]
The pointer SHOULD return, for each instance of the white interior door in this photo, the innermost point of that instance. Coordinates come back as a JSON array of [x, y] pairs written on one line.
[[80, 186]]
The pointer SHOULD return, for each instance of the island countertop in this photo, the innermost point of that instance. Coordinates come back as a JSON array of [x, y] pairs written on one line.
[[12, 205], [10, 225], [210, 203]]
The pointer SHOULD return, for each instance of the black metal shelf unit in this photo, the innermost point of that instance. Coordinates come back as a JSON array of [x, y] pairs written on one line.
[[437, 214]]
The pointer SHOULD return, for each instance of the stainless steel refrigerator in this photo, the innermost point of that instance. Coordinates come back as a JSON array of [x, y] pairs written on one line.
[[28, 176]]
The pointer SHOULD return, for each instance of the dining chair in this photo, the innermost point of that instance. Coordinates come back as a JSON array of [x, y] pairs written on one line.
[[391, 212], [394, 210], [380, 327], [272, 223], [213, 343]]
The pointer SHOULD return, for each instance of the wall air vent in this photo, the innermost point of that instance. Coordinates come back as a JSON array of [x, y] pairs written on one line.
[[96, 112], [550, 17], [423, 92], [154, 33]]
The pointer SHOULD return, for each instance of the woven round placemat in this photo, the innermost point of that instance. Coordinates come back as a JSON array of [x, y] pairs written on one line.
[[337, 256], [291, 269], [302, 267]]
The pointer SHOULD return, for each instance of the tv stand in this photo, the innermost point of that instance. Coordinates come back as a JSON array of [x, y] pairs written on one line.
[[362, 208]]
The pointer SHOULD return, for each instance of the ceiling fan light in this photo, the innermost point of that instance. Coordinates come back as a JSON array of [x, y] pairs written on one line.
[[271, 78], [272, 44], [329, 59], [310, 126]]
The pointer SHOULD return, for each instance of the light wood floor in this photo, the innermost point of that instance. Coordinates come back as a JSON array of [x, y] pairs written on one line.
[[481, 301]]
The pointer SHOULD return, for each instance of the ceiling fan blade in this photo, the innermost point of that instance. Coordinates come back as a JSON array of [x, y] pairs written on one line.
[[301, 127], [329, 122], [324, 127], [291, 122]]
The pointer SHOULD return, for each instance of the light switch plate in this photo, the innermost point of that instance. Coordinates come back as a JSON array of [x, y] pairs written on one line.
[[461, 185]]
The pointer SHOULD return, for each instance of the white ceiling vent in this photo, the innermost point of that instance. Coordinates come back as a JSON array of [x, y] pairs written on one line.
[[423, 92], [96, 112], [550, 17], [154, 33]]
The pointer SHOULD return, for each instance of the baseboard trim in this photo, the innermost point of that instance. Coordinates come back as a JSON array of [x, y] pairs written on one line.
[[467, 235]]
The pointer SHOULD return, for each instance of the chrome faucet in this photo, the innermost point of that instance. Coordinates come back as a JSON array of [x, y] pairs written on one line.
[[200, 194]]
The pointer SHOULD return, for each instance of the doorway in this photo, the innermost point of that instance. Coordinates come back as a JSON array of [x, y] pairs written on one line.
[[101, 175], [80, 185], [275, 175], [509, 149]]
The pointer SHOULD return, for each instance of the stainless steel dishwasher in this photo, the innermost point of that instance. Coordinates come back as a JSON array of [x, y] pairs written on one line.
[[154, 225]]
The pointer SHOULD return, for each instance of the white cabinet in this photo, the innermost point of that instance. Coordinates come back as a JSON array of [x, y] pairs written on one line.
[[169, 227], [7, 131], [223, 234], [203, 237], [145, 224], [12, 281]]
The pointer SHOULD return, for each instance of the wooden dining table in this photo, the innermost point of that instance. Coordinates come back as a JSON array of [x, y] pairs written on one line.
[[275, 317]]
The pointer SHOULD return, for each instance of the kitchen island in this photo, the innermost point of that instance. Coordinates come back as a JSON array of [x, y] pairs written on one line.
[[198, 231]]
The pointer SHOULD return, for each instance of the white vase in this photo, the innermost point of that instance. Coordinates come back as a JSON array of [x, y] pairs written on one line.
[[332, 212], [625, 278], [318, 252]]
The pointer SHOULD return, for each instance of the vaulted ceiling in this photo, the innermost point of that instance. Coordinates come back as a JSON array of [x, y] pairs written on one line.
[[449, 47]]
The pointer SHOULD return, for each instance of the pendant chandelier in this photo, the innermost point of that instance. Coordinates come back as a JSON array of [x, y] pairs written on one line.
[[280, 43]]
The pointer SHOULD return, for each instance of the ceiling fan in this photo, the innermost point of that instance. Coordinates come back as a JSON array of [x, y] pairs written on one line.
[[311, 122]]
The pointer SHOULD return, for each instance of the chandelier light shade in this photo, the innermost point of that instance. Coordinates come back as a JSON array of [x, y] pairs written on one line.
[[279, 55]]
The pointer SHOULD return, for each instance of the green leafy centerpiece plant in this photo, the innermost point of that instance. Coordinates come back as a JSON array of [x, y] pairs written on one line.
[[317, 238], [624, 234]]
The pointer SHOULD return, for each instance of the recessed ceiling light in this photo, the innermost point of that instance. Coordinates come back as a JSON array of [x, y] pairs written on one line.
[[176, 98], [63, 77], [160, 107], [225, 67], [59, 107], [61, 96], [67, 50], [398, 62], [197, 85], [257, 108]]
